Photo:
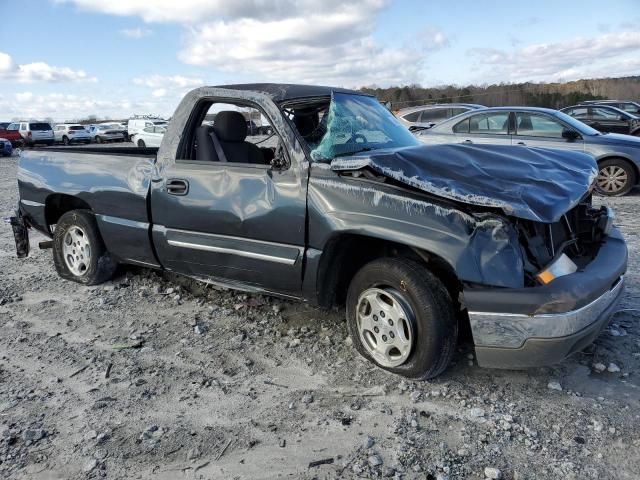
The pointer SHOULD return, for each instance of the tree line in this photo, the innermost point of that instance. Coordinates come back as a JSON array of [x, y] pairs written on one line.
[[549, 95]]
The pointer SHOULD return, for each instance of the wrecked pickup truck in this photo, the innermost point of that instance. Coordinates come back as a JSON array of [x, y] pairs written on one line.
[[345, 208]]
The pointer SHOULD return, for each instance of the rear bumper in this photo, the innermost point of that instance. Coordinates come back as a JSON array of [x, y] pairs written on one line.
[[553, 321]]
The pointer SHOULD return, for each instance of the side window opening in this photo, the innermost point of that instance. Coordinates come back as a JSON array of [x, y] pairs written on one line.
[[535, 125], [490, 123], [233, 133], [462, 127]]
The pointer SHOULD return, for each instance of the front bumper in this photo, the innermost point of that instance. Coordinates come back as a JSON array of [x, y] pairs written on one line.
[[546, 324]]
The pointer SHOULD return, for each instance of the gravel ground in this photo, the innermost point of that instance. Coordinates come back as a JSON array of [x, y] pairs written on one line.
[[153, 376]]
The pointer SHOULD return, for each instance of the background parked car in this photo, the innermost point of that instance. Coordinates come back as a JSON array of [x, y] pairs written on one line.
[[9, 131], [618, 156], [149, 137], [33, 133], [118, 127], [5, 147], [426, 116], [627, 105], [605, 119], [68, 133], [136, 125], [105, 133]]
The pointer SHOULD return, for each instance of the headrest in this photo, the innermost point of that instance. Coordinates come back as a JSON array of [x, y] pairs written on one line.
[[230, 126]]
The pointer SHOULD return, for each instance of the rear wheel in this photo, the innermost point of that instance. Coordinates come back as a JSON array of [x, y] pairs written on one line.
[[615, 177], [98, 139], [79, 254], [401, 317], [65, 140], [141, 143]]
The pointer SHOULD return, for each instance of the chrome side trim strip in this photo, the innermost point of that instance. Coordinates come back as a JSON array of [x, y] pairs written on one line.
[[122, 221], [31, 203], [231, 251], [511, 330]]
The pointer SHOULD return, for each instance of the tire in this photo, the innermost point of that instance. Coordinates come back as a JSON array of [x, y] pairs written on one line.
[[141, 143], [430, 322], [616, 177], [98, 139], [79, 226], [65, 140]]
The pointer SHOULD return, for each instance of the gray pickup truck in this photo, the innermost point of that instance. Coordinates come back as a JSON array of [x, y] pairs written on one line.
[[345, 207]]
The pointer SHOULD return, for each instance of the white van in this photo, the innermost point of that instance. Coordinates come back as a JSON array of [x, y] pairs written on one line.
[[137, 125]]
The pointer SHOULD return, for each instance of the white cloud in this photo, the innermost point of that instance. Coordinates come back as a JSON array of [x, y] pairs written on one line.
[[136, 33], [195, 11], [610, 54], [39, 72], [159, 92], [168, 81], [287, 40], [320, 47]]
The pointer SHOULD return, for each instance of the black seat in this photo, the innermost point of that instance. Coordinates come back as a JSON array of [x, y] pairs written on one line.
[[230, 130]]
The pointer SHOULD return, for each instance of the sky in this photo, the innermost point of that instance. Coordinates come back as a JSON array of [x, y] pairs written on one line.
[[66, 59]]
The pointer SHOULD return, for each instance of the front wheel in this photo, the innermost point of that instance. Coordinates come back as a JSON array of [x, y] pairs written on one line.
[[401, 318], [141, 143], [65, 140], [79, 254], [616, 177]]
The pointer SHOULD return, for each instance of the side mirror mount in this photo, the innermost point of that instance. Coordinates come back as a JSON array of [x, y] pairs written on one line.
[[570, 135]]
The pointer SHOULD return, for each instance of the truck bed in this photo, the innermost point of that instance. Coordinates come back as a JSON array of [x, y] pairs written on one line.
[[111, 181]]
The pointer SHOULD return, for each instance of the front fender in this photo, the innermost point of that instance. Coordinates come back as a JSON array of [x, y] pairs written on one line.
[[480, 250]]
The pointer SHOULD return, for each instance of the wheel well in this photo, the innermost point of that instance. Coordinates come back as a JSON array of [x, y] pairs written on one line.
[[58, 204], [625, 160], [345, 254]]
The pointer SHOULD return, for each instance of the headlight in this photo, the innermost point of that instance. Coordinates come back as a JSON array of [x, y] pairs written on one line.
[[563, 265]]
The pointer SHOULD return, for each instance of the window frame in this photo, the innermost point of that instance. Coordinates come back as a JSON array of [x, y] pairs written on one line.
[[198, 113], [484, 114], [540, 114]]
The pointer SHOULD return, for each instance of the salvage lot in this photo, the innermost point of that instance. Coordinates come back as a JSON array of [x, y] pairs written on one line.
[[155, 376]]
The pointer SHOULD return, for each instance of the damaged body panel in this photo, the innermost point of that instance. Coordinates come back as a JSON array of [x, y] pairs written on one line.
[[506, 237]]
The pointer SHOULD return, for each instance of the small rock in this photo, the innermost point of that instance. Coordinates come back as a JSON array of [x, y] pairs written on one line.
[[476, 412], [169, 291], [200, 329], [307, 398], [238, 338], [599, 367], [613, 368], [90, 435], [552, 385], [597, 426], [90, 465], [33, 435], [415, 396], [194, 453], [369, 442], [375, 460], [388, 472], [492, 473], [283, 443]]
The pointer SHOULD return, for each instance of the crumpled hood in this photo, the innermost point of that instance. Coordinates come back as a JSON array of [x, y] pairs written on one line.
[[537, 184]]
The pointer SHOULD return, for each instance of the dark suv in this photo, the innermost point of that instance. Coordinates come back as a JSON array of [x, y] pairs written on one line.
[[605, 119], [627, 105]]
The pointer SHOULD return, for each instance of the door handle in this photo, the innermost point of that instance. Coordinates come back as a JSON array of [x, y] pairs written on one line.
[[467, 141], [522, 143], [177, 186]]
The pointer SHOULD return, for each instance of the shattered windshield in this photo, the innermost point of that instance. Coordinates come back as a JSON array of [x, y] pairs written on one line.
[[357, 123]]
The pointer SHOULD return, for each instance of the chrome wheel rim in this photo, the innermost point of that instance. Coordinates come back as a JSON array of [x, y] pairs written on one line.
[[612, 179], [385, 325], [76, 251]]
